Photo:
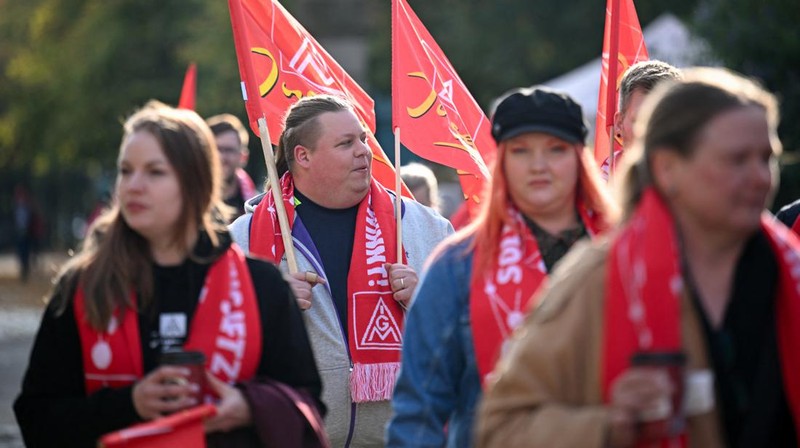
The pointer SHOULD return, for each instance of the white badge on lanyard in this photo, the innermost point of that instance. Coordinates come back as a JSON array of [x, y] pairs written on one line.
[[699, 394], [172, 325]]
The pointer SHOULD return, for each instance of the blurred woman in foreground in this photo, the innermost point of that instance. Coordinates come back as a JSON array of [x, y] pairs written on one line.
[[685, 327]]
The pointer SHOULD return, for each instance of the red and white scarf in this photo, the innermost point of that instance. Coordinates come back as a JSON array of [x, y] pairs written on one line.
[[645, 285], [500, 297], [226, 327], [246, 185], [374, 318]]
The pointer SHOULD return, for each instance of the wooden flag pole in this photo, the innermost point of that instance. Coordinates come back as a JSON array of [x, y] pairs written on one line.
[[398, 197], [611, 86], [280, 209]]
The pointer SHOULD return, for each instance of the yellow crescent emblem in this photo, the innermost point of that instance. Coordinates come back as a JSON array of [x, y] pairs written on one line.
[[422, 109], [265, 87]]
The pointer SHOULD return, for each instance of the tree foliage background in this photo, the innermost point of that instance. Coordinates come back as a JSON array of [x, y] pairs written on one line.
[[71, 70]]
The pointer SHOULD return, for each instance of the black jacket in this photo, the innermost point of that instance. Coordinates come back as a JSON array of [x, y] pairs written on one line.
[[53, 409]]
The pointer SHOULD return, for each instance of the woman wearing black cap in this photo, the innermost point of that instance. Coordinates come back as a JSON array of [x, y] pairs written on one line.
[[545, 195]]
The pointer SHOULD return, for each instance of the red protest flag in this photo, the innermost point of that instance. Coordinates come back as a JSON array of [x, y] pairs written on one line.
[[189, 89], [280, 62], [440, 119], [622, 37], [184, 428]]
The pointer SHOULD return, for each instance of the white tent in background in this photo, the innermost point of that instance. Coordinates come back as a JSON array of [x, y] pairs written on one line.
[[667, 39]]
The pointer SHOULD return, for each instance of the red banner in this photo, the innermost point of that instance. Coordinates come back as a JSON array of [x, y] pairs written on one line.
[[438, 118], [189, 89], [280, 62], [623, 37], [183, 428]]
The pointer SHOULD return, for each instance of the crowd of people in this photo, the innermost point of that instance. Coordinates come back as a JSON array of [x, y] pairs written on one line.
[[560, 316]]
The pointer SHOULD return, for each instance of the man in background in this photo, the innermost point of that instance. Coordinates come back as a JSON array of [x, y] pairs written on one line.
[[422, 183], [639, 80], [232, 139]]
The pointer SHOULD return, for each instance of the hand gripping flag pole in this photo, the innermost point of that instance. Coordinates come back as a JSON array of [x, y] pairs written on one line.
[[274, 187]]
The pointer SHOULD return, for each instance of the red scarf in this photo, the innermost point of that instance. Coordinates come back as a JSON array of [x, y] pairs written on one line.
[[374, 318], [645, 285], [246, 185], [226, 327], [501, 296]]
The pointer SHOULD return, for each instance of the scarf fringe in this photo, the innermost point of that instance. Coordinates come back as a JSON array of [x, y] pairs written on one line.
[[373, 382]]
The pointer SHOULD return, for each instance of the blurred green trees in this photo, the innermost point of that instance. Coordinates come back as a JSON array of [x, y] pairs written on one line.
[[71, 70], [762, 39], [77, 67]]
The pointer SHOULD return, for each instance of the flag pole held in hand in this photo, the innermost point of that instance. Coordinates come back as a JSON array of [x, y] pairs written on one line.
[[274, 187], [398, 208]]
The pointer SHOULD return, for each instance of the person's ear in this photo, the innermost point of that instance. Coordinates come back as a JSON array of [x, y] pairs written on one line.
[[302, 156], [667, 168], [618, 118]]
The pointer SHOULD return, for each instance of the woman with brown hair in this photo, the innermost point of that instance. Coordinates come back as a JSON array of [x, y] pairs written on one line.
[[159, 273], [684, 328], [545, 194]]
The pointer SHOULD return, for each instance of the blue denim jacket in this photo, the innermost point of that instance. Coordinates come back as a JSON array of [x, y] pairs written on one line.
[[438, 385]]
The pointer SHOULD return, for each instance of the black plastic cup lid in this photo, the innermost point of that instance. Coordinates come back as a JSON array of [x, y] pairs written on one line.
[[181, 357], [658, 359]]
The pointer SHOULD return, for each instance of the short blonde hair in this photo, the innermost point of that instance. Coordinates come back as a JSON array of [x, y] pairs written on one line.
[[416, 175]]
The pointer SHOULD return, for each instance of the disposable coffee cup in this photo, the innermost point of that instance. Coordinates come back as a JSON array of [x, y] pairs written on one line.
[[193, 360], [667, 418]]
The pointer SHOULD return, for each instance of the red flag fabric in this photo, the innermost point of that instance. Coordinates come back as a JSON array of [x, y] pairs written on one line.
[[184, 428], [623, 36], [439, 119], [189, 89], [280, 63]]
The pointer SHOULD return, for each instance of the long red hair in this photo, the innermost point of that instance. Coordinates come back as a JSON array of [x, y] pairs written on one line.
[[486, 228]]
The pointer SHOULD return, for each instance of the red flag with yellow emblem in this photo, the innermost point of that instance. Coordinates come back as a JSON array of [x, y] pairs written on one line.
[[622, 37], [280, 62], [439, 119]]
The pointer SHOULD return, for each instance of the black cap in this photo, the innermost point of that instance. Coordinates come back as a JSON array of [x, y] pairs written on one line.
[[538, 109]]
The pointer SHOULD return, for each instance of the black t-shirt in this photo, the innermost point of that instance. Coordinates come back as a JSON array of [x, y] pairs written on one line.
[[236, 201], [744, 354], [788, 213], [333, 234]]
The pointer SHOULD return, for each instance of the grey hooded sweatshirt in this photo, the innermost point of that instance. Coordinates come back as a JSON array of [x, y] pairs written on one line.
[[350, 424]]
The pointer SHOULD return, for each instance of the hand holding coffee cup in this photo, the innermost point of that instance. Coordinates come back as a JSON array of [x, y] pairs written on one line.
[[638, 393], [163, 391], [662, 416], [193, 363]]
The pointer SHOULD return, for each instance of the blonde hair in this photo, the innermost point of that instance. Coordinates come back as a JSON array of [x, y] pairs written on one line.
[[417, 175]]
